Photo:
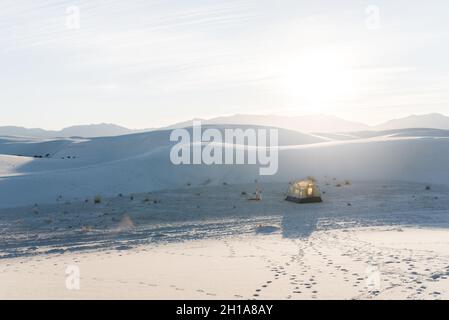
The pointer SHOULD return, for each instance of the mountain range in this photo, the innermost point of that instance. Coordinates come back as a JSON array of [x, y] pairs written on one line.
[[91, 130], [308, 123]]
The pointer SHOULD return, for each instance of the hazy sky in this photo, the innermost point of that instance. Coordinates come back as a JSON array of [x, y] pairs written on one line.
[[144, 63]]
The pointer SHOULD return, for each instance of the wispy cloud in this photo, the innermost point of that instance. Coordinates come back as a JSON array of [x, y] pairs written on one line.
[[135, 58]]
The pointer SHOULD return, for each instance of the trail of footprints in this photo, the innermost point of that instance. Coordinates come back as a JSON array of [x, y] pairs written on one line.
[[297, 277], [397, 270], [299, 282]]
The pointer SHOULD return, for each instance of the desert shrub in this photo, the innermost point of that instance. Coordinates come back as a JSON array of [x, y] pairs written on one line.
[[206, 182], [338, 185], [86, 228], [97, 199], [427, 187], [347, 182]]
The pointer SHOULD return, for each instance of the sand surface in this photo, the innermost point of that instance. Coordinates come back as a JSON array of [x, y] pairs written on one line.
[[358, 263]]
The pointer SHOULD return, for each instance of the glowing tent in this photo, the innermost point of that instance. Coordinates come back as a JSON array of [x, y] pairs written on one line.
[[305, 191]]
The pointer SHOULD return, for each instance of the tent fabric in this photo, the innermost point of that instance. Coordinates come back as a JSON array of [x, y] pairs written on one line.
[[303, 190]]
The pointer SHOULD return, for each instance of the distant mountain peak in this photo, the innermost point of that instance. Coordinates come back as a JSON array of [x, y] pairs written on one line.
[[322, 123], [87, 131], [429, 120]]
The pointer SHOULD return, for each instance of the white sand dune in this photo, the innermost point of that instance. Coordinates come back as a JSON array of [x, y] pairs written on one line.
[[367, 263], [140, 162]]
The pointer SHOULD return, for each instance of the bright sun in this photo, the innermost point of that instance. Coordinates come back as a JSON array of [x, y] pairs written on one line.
[[318, 79]]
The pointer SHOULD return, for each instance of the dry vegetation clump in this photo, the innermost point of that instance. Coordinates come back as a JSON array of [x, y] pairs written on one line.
[[86, 228], [97, 199]]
